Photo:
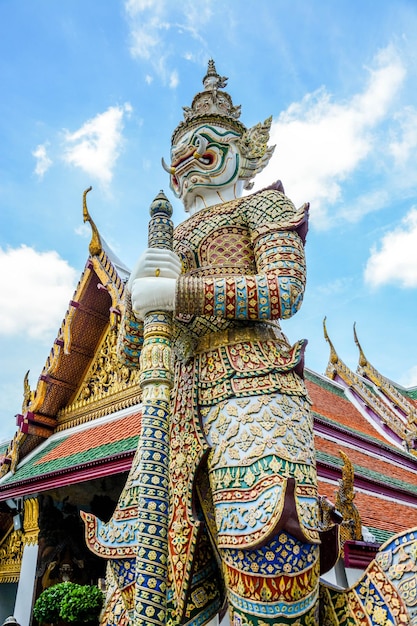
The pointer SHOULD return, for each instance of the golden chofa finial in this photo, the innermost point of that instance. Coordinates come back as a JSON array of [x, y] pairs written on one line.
[[27, 394], [333, 354], [362, 358], [95, 246]]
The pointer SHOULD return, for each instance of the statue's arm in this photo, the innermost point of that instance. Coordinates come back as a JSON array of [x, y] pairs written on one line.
[[276, 290]]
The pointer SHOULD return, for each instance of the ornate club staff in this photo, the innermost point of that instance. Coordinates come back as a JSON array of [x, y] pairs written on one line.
[[135, 540], [152, 457]]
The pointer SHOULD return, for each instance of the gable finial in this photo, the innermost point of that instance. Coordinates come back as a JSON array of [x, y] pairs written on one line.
[[362, 358], [333, 354], [95, 246]]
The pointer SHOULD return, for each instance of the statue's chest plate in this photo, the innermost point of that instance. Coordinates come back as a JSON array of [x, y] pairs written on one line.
[[216, 241]]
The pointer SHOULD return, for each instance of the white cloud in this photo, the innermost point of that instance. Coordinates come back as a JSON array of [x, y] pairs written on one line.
[[96, 146], [173, 79], [39, 286], [405, 144], [321, 143], [395, 260], [144, 42], [43, 162], [337, 286], [84, 231], [410, 378], [369, 202], [133, 7], [153, 25]]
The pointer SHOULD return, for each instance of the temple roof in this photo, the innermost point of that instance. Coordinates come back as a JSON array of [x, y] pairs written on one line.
[[384, 473], [103, 447], [390, 413], [70, 382]]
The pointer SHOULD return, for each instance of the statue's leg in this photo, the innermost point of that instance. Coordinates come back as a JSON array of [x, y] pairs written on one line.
[[263, 480]]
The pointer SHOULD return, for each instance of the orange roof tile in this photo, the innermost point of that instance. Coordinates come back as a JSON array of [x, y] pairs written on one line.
[[375, 512], [110, 432], [340, 410]]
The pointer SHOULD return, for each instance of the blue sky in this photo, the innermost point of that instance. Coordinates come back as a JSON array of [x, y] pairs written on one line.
[[90, 94]]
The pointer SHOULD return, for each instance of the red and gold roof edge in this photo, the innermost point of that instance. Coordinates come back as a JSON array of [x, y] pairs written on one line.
[[95, 308]]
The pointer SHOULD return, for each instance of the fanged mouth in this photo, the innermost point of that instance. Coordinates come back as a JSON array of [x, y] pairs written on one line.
[[181, 163], [207, 159]]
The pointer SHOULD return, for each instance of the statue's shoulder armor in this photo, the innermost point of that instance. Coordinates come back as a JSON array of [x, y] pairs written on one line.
[[271, 209]]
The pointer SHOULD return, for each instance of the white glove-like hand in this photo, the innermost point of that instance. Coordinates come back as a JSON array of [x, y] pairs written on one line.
[[156, 262], [152, 282]]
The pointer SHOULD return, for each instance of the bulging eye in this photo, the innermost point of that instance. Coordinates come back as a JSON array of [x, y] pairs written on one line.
[[208, 158]]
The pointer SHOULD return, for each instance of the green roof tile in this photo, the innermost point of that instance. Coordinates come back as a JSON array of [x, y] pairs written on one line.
[[36, 468], [380, 535]]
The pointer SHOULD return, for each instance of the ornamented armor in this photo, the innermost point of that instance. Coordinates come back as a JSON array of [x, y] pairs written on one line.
[[235, 521], [243, 487]]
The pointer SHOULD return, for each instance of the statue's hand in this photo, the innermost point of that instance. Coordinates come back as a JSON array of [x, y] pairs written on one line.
[[152, 282], [156, 262]]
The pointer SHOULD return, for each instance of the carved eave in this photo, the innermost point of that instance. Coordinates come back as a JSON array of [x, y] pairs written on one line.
[[405, 410], [379, 412], [95, 308], [85, 322]]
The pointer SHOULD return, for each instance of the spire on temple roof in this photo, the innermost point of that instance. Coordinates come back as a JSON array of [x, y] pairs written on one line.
[[95, 246], [27, 394], [362, 358], [333, 354]]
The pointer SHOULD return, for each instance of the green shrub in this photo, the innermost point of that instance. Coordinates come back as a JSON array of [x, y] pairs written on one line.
[[69, 602], [48, 605], [82, 604]]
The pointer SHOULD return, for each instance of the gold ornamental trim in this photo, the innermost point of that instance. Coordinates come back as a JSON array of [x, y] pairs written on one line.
[[31, 521], [11, 551]]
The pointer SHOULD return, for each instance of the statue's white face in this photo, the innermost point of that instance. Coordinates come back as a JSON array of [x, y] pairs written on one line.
[[203, 162]]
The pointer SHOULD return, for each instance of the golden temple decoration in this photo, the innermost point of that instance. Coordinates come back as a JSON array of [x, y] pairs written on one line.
[[368, 398], [351, 526], [107, 375], [27, 394], [95, 246], [12, 545], [363, 361], [11, 550], [333, 358], [387, 389], [30, 521], [108, 386], [113, 284], [13, 451]]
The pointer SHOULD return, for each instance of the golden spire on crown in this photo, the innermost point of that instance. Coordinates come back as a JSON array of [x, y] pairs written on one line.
[[211, 105]]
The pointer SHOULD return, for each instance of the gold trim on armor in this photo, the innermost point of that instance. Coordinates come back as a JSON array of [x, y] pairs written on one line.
[[260, 332]]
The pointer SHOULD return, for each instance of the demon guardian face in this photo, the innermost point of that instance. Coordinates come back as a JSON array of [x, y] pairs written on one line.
[[204, 160]]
